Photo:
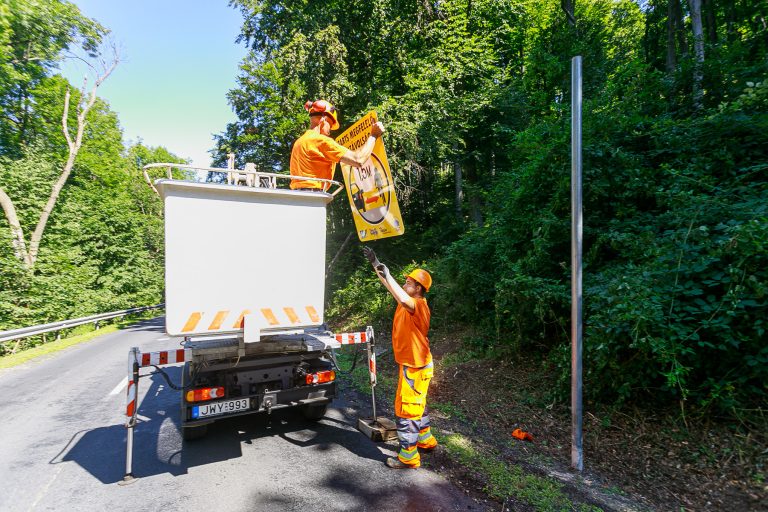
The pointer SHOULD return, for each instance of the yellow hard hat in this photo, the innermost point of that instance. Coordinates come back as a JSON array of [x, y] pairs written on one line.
[[422, 277], [322, 107]]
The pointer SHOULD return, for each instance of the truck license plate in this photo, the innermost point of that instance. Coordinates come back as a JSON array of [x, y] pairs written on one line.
[[218, 408]]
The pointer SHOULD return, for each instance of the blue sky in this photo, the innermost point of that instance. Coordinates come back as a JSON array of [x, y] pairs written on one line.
[[179, 59]]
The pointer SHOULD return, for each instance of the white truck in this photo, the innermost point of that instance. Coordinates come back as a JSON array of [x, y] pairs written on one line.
[[245, 291]]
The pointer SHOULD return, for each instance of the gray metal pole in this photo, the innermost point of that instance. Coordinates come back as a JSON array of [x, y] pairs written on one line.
[[372, 368], [577, 455], [129, 455], [132, 398]]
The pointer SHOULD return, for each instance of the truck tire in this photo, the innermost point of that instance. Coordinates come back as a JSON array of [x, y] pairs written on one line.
[[314, 412], [193, 433]]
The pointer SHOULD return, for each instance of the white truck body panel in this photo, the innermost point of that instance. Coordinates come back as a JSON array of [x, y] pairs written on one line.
[[235, 252]]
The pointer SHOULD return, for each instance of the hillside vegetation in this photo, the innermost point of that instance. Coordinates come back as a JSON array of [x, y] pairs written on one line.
[[475, 97], [476, 100], [102, 247]]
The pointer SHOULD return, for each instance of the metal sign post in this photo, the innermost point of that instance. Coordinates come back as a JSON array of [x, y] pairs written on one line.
[[577, 455]]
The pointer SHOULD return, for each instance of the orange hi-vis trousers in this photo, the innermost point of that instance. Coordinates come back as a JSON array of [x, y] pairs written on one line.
[[413, 430]]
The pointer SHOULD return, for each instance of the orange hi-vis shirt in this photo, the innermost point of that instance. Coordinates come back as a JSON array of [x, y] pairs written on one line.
[[315, 156], [409, 335]]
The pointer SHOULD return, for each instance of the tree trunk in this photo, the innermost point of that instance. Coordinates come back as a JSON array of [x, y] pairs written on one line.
[[569, 7], [24, 117], [698, 46], [730, 22], [476, 209], [459, 196], [682, 40], [671, 48], [17, 233], [338, 253]]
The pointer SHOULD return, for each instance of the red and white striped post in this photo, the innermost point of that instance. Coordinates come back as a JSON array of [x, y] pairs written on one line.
[[351, 338], [372, 366], [131, 410]]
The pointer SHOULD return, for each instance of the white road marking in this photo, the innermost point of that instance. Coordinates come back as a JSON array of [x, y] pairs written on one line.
[[163, 338], [120, 386], [44, 490]]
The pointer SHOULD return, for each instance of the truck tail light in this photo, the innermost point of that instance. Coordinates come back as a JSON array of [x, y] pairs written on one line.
[[321, 377], [202, 394]]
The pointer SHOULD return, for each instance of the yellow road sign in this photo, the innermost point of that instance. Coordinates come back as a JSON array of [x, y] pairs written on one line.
[[370, 188]]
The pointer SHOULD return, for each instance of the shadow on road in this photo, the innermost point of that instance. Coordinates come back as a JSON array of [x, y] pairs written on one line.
[[158, 445], [151, 325]]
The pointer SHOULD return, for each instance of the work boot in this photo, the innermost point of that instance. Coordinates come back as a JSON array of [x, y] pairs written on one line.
[[395, 463]]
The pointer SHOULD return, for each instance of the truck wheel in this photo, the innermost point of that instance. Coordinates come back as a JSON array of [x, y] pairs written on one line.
[[314, 412], [193, 433]]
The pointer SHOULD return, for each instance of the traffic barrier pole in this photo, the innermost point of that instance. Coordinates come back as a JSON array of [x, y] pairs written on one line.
[[372, 366], [131, 410]]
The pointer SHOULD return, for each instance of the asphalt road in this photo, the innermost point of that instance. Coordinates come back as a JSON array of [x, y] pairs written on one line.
[[62, 447]]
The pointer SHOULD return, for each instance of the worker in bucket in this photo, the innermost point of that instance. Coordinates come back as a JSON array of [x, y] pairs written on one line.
[[315, 153], [410, 346]]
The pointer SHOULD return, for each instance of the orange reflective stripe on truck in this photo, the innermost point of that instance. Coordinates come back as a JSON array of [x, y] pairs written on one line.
[[292, 316], [239, 323], [192, 321], [313, 314], [270, 316], [274, 317], [218, 320]]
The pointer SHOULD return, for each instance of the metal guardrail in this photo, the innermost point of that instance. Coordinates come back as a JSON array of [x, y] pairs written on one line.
[[34, 330]]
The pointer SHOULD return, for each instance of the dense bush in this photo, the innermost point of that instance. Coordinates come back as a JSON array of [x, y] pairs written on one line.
[[675, 238]]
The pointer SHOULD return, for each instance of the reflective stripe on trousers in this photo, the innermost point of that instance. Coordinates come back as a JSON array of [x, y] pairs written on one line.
[[411, 414]]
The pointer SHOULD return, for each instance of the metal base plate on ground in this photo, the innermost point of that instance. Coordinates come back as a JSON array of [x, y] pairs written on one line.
[[382, 429]]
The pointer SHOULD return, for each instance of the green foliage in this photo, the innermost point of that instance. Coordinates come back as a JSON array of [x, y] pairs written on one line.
[[361, 301], [674, 189], [102, 249], [688, 299], [33, 36]]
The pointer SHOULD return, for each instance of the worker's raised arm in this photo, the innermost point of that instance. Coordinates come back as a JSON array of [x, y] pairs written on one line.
[[360, 156], [394, 288]]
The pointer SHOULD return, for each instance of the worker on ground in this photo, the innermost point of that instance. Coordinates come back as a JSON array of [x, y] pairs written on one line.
[[315, 154], [410, 346]]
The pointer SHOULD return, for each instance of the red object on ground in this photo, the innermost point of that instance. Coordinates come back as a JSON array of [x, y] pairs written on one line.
[[523, 436]]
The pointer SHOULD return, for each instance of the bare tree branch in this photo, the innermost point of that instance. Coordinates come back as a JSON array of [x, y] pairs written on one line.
[[84, 106], [149, 182], [64, 119]]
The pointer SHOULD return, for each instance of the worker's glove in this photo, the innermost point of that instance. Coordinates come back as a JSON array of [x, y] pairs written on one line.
[[377, 130], [368, 252], [382, 270]]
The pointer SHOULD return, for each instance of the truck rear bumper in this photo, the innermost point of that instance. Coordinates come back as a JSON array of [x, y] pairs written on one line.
[[268, 402]]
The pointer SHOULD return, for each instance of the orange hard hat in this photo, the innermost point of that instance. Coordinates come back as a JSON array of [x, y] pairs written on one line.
[[422, 277], [321, 107]]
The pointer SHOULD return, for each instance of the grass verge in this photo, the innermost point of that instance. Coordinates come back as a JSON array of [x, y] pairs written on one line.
[[18, 358], [11, 360], [504, 481]]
